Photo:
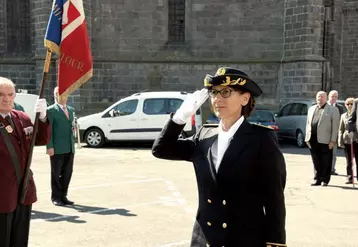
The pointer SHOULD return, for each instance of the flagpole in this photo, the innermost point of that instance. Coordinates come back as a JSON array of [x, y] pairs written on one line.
[[36, 125]]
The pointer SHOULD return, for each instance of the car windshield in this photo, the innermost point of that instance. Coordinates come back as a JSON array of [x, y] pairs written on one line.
[[261, 116]]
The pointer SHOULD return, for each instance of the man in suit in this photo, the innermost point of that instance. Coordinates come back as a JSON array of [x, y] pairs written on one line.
[[61, 149], [332, 100], [16, 131], [321, 136]]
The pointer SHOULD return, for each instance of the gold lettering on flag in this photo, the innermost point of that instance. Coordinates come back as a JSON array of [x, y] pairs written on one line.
[[57, 11], [70, 61]]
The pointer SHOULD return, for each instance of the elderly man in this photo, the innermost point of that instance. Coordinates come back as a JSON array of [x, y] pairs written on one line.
[[321, 136], [332, 100], [16, 132], [61, 149]]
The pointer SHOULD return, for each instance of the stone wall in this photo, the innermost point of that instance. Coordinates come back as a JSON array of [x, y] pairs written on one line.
[[277, 42], [349, 62], [302, 61]]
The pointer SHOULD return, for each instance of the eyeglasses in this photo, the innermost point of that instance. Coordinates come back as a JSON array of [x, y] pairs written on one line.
[[349, 104], [225, 93]]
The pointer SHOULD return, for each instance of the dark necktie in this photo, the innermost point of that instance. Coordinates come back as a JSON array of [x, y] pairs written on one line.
[[8, 118]]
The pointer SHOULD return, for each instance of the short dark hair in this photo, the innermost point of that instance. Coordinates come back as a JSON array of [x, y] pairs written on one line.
[[247, 109]]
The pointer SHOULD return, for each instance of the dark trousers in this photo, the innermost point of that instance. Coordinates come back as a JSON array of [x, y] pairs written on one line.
[[15, 227], [322, 160], [61, 173], [348, 153]]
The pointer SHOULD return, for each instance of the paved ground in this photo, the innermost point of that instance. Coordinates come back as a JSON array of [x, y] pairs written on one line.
[[126, 197]]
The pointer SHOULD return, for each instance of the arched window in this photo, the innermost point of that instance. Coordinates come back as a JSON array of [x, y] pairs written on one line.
[[176, 17], [18, 23]]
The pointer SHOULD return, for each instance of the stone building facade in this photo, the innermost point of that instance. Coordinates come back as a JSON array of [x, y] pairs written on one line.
[[292, 48]]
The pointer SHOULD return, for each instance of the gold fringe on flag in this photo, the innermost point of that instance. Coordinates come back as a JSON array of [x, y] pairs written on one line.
[[76, 85]]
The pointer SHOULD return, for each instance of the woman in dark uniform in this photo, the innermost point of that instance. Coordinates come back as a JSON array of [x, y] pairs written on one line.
[[240, 170]]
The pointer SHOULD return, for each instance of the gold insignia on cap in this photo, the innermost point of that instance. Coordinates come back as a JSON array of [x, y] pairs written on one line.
[[227, 82], [206, 82], [221, 71], [240, 81]]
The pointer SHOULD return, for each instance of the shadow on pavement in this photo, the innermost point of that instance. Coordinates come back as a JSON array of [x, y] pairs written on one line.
[[101, 211], [54, 217]]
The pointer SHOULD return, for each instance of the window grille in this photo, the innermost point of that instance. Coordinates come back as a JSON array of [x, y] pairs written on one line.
[[18, 26], [176, 25]]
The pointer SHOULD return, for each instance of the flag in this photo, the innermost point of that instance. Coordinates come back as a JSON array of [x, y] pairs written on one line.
[[67, 36]]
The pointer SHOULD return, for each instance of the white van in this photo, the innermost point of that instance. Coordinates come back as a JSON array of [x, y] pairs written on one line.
[[139, 117], [27, 101]]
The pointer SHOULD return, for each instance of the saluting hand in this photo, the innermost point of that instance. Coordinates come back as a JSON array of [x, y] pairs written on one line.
[[191, 104]]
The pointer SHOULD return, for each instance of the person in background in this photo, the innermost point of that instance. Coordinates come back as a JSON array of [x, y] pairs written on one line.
[[345, 141], [240, 170], [321, 134], [61, 149], [18, 107], [332, 100]]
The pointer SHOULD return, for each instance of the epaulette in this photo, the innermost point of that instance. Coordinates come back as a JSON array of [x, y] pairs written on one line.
[[210, 125], [275, 245], [263, 126]]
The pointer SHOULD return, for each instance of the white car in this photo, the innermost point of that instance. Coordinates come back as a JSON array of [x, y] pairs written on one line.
[[139, 117]]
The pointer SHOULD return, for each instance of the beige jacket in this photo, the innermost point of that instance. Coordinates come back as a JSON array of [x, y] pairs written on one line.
[[327, 129], [343, 131]]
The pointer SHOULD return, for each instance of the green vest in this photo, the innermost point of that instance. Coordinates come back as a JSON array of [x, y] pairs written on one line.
[[62, 139]]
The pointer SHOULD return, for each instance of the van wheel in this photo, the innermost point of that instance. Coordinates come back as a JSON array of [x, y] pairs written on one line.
[[94, 138], [300, 139]]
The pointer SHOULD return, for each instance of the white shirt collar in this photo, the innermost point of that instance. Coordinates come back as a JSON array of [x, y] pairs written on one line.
[[62, 106], [230, 133], [5, 115], [223, 141]]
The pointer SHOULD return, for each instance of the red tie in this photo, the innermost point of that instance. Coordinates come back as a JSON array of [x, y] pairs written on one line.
[[64, 108]]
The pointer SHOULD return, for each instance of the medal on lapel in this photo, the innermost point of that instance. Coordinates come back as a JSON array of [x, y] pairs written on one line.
[[9, 129]]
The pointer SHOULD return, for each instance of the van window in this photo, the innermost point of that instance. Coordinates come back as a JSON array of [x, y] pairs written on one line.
[[296, 109], [154, 106], [261, 116], [174, 104], [127, 107], [304, 110], [286, 110]]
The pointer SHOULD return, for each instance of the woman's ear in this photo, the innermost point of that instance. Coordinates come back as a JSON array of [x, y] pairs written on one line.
[[246, 99]]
